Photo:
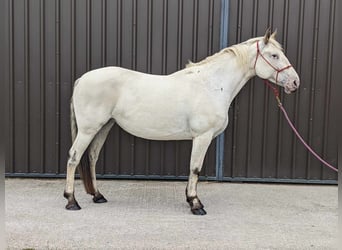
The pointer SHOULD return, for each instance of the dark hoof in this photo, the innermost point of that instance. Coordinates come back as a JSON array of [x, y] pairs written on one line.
[[198, 211], [73, 206], [98, 198], [72, 203]]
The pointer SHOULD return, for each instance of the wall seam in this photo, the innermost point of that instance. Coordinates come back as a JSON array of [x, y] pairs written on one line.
[[223, 43]]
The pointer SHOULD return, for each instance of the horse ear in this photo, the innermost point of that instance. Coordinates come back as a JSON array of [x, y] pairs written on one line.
[[274, 34], [267, 35]]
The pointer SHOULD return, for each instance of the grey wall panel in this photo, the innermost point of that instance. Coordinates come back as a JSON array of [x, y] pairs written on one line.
[[6, 76], [259, 143], [34, 87], [335, 76], [66, 68], [20, 87]]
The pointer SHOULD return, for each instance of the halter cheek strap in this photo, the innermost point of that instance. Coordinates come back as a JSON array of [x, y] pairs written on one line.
[[273, 67]]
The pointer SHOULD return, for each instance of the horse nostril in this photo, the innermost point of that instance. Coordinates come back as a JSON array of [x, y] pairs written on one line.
[[295, 83]]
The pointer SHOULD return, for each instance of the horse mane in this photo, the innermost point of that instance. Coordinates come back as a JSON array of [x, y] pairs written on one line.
[[238, 50]]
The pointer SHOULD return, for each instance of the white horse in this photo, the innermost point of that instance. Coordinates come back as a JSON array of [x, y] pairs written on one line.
[[190, 104]]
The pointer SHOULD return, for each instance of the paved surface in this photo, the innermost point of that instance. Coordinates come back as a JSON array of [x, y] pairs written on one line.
[[154, 215]]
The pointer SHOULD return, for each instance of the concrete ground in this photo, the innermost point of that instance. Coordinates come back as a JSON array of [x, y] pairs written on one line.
[[154, 215]]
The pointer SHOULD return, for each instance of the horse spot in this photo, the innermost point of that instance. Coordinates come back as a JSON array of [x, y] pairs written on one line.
[[196, 171]]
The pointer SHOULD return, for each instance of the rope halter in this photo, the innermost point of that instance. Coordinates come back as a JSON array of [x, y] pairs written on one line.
[[273, 67]]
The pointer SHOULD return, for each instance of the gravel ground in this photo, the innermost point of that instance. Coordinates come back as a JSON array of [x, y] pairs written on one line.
[[154, 215]]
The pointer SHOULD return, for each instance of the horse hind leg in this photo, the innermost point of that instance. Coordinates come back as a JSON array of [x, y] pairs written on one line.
[[199, 148], [94, 151], [78, 148]]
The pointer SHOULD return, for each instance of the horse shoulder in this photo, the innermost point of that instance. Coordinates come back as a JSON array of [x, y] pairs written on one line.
[[207, 113]]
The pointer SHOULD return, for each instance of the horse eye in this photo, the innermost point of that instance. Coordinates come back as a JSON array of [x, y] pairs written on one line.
[[275, 56]]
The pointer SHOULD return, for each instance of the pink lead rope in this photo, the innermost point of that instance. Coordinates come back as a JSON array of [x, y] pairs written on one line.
[[276, 94]]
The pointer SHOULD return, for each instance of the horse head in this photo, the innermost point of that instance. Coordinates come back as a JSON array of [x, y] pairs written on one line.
[[272, 64]]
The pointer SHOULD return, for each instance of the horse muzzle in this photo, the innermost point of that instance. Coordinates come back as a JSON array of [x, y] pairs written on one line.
[[291, 86]]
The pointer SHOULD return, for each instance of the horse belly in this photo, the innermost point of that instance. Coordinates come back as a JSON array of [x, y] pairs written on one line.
[[153, 120], [154, 128]]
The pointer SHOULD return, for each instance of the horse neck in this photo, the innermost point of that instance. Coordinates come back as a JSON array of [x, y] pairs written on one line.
[[229, 74]]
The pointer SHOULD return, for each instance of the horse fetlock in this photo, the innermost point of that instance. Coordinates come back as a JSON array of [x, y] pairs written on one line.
[[194, 202], [68, 196], [196, 206], [72, 203]]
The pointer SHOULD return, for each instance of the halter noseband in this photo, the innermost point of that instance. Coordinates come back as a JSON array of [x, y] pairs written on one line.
[[276, 69]]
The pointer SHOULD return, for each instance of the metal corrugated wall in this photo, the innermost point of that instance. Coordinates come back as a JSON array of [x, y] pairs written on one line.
[[49, 44]]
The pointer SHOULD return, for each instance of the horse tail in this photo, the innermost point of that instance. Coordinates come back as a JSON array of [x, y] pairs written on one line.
[[84, 166]]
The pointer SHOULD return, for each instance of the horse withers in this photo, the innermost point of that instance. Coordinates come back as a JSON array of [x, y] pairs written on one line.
[[190, 104]]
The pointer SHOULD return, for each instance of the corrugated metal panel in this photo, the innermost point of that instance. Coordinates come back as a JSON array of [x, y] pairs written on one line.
[[259, 143], [52, 43], [49, 44]]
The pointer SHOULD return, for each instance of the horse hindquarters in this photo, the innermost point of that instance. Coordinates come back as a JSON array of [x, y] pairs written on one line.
[[78, 154]]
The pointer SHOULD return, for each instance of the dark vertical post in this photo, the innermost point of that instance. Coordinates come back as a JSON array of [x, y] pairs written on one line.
[[223, 44]]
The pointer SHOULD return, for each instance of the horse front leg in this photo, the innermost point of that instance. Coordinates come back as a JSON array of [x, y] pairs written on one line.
[[200, 146]]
